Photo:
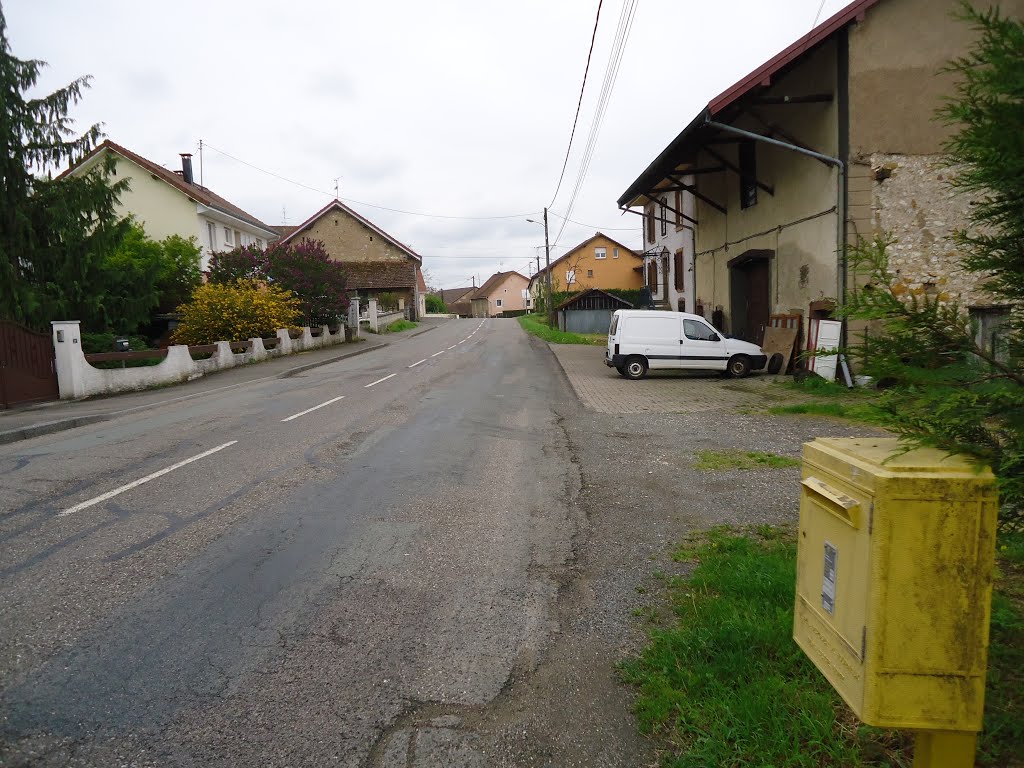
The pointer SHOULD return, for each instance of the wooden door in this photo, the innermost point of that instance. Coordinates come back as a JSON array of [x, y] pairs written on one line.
[[758, 299]]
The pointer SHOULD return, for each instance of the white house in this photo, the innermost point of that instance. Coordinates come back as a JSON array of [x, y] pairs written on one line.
[[669, 219], [167, 202]]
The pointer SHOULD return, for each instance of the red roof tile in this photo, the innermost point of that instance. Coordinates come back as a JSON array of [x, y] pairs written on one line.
[[379, 275]]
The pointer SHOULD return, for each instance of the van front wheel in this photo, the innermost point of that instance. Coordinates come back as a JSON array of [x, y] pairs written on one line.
[[739, 366], [635, 368]]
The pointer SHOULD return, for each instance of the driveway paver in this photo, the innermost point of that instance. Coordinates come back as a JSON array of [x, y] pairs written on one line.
[[601, 389]]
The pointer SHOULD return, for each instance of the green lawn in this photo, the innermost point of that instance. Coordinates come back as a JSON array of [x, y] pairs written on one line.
[[537, 326], [722, 683], [833, 400], [400, 325]]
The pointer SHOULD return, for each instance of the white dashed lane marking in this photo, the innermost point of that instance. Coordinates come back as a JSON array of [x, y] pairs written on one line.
[[378, 381], [315, 407], [141, 480]]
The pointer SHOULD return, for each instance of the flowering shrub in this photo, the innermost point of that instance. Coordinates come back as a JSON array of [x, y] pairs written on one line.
[[244, 309], [304, 268]]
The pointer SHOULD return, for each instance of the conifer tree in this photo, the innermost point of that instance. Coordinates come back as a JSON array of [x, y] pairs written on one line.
[[53, 234]]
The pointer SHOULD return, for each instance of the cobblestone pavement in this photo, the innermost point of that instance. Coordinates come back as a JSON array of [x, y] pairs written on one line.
[[601, 389]]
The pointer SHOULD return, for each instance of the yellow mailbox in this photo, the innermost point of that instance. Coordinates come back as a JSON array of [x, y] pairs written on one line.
[[894, 581]]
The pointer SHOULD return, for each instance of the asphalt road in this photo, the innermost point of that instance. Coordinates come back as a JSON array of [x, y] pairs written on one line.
[[305, 562], [443, 564]]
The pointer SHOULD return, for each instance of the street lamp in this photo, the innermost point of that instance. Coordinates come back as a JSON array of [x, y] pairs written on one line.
[[547, 275]]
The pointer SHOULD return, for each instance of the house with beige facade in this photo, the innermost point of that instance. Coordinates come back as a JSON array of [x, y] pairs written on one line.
[[749, 211], [375, 262], [502, 292], [170, 202], [597, 262]]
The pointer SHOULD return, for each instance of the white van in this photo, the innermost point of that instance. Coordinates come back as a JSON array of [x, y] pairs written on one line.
[[639, 339]]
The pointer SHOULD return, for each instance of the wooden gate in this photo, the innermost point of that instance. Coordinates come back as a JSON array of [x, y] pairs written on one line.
[[27, 370]]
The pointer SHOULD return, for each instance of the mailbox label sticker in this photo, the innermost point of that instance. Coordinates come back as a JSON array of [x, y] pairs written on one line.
[[828, 585]]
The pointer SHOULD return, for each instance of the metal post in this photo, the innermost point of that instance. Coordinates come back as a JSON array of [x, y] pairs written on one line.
[[945, 749], [547, 277]]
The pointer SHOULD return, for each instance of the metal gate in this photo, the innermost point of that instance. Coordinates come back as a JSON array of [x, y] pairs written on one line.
[[27, 370]]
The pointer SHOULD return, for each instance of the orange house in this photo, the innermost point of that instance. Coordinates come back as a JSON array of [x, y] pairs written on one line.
[[598, 262]]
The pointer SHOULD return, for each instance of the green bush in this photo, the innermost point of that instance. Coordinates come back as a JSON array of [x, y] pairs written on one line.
[[435, 305], [95, 343]]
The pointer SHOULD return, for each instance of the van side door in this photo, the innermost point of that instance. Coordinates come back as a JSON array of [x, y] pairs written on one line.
[[654, 336], [701, 347]]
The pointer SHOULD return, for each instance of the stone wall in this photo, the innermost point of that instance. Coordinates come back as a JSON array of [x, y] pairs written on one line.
[[911, 199]]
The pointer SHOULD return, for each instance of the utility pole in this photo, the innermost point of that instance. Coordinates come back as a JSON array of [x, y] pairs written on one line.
[[547, 276], [200, 162]]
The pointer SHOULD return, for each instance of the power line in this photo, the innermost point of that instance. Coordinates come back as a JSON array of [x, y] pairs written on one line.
[[360, 202], [595, 226], [579, 104], [611, 74]]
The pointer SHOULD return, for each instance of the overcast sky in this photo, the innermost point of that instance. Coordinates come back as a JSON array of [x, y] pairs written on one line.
[[457, 108]]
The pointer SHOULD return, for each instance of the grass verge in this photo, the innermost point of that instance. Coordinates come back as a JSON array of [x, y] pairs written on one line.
[[831, 400], [723, 684], [400, 325], [720, 460], [537, 326]]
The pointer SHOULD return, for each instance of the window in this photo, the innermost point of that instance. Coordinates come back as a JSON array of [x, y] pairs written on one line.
[[652, 276], [211, 231], [678, 264], [590, 273], [698, 331], [990, 327], [650, 223], [570, 277], [615, 253], [227, 236], [748, 174], [497, 302], [238, 237], [679, 209], [600, 253], [259, 243], [664, 217]]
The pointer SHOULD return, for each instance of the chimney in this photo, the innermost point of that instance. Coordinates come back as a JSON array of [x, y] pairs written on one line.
[[186, 167]]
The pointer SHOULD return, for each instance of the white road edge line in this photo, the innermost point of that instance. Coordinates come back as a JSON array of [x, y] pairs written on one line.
[[438, 353], [452, 346], [141, 480], [378, 381], [310, 410], [417, 363], [463, 341]]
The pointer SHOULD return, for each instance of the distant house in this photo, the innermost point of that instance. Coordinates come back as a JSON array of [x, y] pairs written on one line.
[[166, 202], [375, 261], [421, 291], [457, 300], [503, 292], [597, 262], [748, 212]]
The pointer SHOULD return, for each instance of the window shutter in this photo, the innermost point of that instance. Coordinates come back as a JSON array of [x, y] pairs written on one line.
[[679, 269]]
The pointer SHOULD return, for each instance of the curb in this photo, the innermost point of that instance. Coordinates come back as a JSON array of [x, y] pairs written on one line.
[[47, 427], [300, 368], [60, 425]]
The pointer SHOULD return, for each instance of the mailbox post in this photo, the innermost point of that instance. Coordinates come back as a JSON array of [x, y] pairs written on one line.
[[894, 586]]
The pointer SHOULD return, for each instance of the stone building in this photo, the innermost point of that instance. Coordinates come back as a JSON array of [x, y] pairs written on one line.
[[832, 140], [375, 261]]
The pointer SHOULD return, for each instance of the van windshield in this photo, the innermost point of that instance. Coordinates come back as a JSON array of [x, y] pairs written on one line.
[[615, 324]]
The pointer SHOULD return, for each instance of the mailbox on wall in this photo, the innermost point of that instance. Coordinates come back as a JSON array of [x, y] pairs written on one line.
[[894, 580]]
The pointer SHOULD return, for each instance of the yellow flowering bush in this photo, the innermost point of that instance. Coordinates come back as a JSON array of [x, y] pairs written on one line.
[[237, 311]]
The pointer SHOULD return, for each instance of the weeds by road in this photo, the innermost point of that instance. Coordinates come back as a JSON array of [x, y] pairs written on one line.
[[400, 325], [719, 460], [537, 326], [832, 400], [723, 683]]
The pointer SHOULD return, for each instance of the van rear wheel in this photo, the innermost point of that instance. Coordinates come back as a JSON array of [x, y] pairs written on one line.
[[635, 368]]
